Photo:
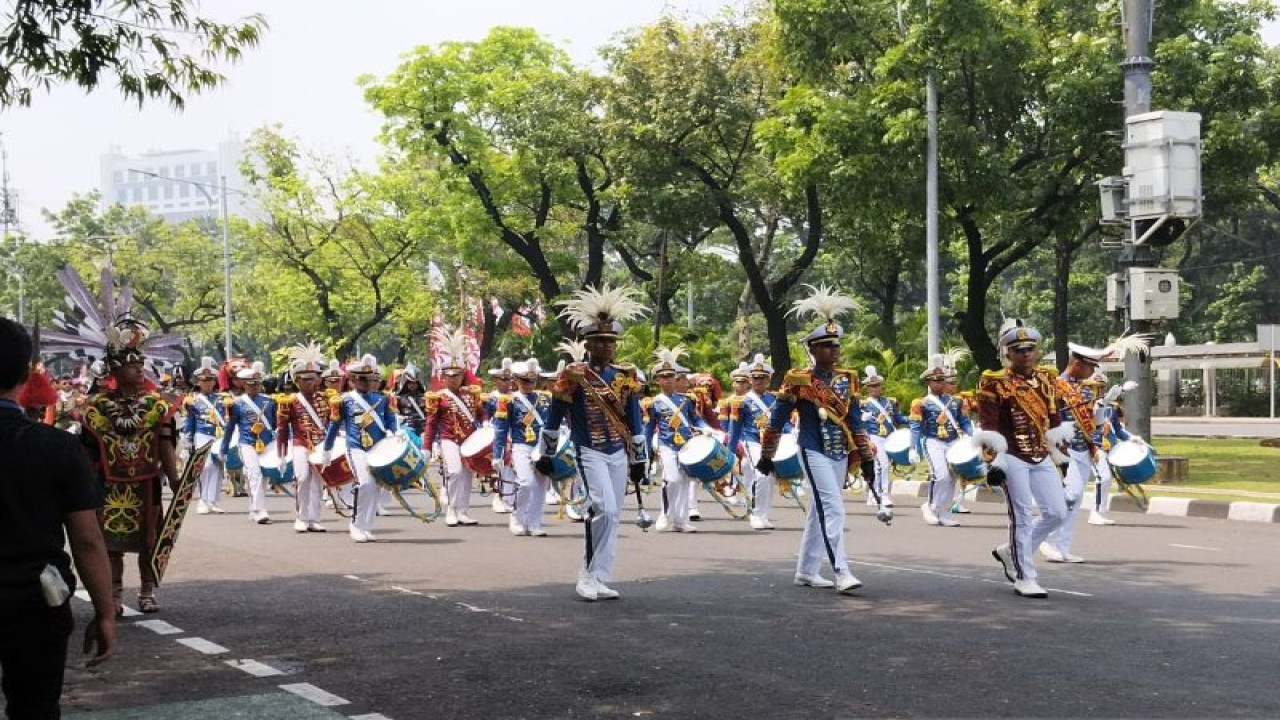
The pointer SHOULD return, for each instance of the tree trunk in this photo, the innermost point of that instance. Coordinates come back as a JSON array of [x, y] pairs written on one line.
[[1063, 254], [775, 319]]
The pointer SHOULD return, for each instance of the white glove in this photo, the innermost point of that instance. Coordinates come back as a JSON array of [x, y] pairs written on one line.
[[913, 456], [1113, 393], [325, 457], [1130, 385]]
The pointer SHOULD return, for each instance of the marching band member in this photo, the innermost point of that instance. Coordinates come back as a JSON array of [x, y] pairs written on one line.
[[936, 421], [1081, 408], [411, 400], [301, 424], [205, 423], [366, 416], [453, 413], [1020, 411], [673, 416], [504, 487], [602, 403], [573, 486], [519, 417], [880, 416], [748, 419], [1111, 430], [128, 429], [826, 400], [253, 415]]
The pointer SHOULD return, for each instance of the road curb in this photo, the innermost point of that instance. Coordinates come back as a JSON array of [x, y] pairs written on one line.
[[1239, 510]]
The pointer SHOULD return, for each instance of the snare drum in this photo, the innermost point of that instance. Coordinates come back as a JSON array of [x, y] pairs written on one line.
[[338, 472], [1133, 462], [477, 452], [275, 470], [965, 458], [898, 447], [786, 459], [705, 458], [564, 463], [394, 461]]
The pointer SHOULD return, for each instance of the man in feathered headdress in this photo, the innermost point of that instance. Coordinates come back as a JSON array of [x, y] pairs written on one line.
[[673, 418], [454, 412], [748, 418], [252, 417], [504, 495], [1020, 411], [205, 423], [517, 422], [936, 421], [1080, 404], [129, 429], [302, 420], [365, 416], [825, 398], [602, 403], [880, 416]]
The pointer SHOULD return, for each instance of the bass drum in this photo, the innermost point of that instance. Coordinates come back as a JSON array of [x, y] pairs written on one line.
[[396, 462], [1133, 462], [477, 452], [898, 447], [338, 472], [965, 458], [786, 459], [705, 458]]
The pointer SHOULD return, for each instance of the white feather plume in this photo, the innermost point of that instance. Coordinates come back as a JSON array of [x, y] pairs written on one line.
[[590, 306], [953, 356], [575, 349], [824, 303], [454, 343], [310, 356], [1138, 343]]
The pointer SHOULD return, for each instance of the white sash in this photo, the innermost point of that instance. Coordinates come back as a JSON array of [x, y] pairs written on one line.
[[943, 407], [884, 411], [208, 404], [524, 402], [355, 398], [462, 407], [765, 410], [257, 412], [674, 408], [306, 405]]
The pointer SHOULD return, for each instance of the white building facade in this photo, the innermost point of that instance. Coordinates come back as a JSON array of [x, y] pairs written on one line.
[[177, 185]]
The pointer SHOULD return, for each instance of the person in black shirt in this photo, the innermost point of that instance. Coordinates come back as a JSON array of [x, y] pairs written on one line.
[[46, 487]]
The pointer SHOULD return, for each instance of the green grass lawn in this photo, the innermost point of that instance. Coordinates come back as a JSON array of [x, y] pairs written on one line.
[[1223, 466]]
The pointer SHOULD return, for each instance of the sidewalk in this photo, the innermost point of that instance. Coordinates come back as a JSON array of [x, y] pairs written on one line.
[[1216, 427], [1177, 507]]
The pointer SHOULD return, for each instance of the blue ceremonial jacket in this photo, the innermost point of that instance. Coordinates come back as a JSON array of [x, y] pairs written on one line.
[[204, 416], [672, 418], [749, 416], [928, 421], [361, 427], [882, 416], [521, 422], [588, 425], [1110, 429], [255, 418], [802, 391]]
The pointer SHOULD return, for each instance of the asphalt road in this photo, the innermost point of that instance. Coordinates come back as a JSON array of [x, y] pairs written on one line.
[[1170, 617]]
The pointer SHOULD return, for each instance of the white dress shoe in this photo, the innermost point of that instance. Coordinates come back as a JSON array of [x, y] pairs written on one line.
[[1051, 553], [1097, 518], [465, 519], [1069, 558], [358, 535], [604, 592], [262, 519], [663, 524], [314, 526], [299, 526], [756, 523], [847, 583], [948, 522], [1003, 556], [1029, 589], [517, 529], [695, 515], [686, 529], [499, 506], [815, 580], [586, 587], [202, 508], [450, 518], [216, 510], [930, 517], [538, 532]]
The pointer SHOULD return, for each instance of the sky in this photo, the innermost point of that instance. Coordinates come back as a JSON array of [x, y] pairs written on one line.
[[301, 76]]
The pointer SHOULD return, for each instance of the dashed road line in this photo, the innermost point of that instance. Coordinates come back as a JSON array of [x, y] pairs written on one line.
[[370, 716], [84, 595], [955, 576], [255, 668], [202, 645], [1195, 547], [159, 627], [315, 694]]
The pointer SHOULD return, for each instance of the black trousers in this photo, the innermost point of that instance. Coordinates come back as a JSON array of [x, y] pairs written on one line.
[[33, 655]]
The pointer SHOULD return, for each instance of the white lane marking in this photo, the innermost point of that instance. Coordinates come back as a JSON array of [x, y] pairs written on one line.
[[159, 627], [84, 595], [370, 716], [202, 645], [315, 694], [405, 590], [1195, 547], [353, 577], [254, 668], [495, 613], [922, 571]]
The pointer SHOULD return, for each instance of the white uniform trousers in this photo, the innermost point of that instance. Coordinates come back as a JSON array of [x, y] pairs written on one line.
[[253, 478], [308, 485], [677, 488], [605, 475], [458, 478], [1078, 472], [824, 525], [942, 487], [1102, 489], [762, 486], [878, 490], [369, 494], [209, 485], [531, 487], [1027, 485]]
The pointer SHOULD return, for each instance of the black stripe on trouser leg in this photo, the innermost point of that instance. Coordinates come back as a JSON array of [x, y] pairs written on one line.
[[591, 513], [871, 483], [817, 505], [1013, 531]]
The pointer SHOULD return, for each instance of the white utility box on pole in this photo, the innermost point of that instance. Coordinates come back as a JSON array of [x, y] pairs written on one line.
[[1162, 165]]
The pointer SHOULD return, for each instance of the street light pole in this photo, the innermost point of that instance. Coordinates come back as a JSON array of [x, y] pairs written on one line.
[[226, 245]]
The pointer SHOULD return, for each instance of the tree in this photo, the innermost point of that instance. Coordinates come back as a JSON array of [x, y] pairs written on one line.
[[152, 48]]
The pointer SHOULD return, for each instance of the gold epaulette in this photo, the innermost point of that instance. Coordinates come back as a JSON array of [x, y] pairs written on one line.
[[802, 376], [188, 401], [733, 401], [994, 374]]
